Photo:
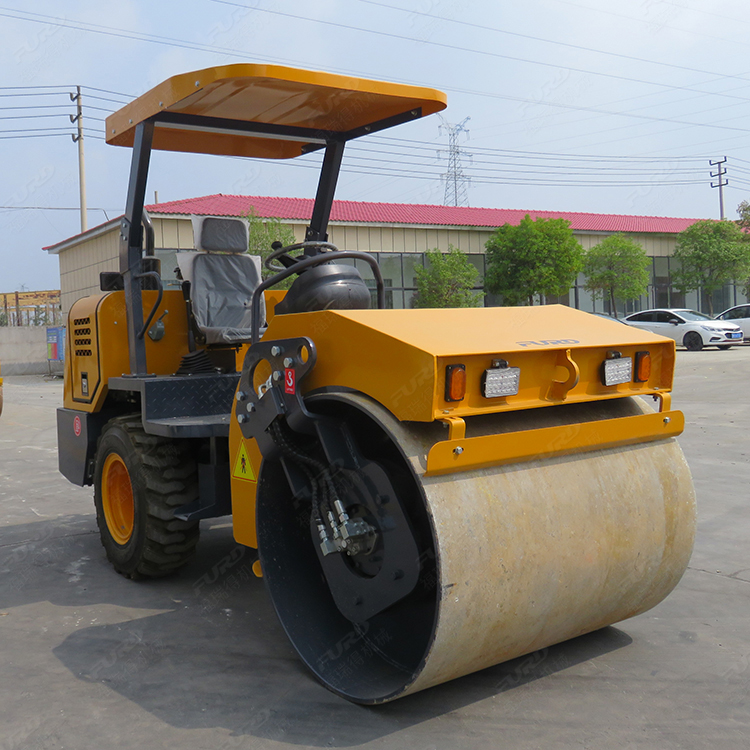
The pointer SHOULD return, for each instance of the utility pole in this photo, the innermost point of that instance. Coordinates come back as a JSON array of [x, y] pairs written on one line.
[[78, 119], [456, 191], [720, 172]]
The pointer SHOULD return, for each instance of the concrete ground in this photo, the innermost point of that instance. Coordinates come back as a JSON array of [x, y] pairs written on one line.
[[91, 660]]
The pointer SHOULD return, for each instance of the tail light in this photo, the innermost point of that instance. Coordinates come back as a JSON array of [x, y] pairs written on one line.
[[455, 382], [642, 367]]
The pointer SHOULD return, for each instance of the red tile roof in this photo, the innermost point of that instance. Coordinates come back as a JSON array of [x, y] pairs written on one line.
[[407, 213], [362, 212]]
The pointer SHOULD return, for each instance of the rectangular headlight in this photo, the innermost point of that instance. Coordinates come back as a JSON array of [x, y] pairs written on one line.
[[500, 381], [617, 370]]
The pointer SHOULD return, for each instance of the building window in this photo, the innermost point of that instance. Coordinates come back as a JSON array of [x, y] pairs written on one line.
[[400, 280], [400, 276]]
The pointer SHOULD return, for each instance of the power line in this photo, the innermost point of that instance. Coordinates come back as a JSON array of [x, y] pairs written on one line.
[[454, 47], [629, 127], [493, 29], [99, 109], [533, 169], [31, 88], [659, 27], [36, 106], [107, 91], [493, 153], [712, 14], [14, 137], [33, 130], [168, 41], [537, 172], [398, 142], [495, 170], [125, 34], [52, 208], [546, 116], [30, 117], [105, 99], [396, 173], [38, 93], [534, 154]]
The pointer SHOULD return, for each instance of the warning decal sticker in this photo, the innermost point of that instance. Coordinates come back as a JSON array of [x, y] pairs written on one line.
[[243, 469], [290, 380]]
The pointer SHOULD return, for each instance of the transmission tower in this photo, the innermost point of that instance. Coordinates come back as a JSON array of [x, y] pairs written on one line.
[[456, 182]]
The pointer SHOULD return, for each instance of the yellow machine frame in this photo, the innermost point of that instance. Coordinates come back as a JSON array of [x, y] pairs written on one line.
[[368, 454]]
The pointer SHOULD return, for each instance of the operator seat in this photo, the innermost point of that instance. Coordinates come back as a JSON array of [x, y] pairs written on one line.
[[219, 280]]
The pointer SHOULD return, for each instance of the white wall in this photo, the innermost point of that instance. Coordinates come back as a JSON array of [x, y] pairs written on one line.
[[23, 351]]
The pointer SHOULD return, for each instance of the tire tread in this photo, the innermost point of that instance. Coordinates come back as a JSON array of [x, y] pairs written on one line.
[[170, 479]]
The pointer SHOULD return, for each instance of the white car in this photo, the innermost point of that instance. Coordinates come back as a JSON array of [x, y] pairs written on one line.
[[692, 329], [739, 315]]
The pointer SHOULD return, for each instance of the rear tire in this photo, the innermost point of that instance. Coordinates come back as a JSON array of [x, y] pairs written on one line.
[[693, 342], [139, 482]]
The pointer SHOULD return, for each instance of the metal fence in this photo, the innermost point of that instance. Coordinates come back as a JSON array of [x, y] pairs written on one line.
[[40, 309]]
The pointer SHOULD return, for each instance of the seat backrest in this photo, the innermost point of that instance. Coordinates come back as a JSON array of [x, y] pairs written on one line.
[[222, 280], [219, 234]]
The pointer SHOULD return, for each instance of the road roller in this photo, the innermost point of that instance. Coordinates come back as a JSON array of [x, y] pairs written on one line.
[[430, 492]]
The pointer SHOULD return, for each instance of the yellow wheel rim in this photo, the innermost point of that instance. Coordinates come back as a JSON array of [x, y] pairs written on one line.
[[117, 499]]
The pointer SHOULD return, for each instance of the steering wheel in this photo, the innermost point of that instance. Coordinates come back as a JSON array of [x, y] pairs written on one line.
[[282, 253]]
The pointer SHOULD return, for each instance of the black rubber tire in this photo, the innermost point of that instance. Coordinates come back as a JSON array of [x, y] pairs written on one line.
[[693, 341], [163, 476], [724, 347]]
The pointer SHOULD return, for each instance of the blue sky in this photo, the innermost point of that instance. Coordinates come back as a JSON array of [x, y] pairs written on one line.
[[579, 105]]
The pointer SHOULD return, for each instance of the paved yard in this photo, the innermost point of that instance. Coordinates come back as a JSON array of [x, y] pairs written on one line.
[[91, 660]]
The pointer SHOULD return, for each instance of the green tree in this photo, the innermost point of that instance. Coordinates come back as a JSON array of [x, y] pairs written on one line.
[[744, 222], [539, 256], [263, 233], [616, 268], [744, 213], [711, 254], [447, 281]]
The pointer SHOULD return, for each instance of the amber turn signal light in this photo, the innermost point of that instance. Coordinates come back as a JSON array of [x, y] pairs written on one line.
[[642, 367], [455, 382]]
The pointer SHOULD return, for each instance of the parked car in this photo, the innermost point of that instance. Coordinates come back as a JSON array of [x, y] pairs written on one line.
[[605, 315], [739, 315], [692, 329]]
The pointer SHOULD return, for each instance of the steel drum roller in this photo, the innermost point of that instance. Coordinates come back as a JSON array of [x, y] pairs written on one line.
[[514, 558]]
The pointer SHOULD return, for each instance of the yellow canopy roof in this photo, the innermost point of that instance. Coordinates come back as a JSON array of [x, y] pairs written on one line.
[[292, 111]]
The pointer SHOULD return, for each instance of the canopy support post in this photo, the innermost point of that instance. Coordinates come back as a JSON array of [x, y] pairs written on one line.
[[329, 174]]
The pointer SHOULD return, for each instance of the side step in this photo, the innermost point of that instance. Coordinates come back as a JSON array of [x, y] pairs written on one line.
[[183, 406]]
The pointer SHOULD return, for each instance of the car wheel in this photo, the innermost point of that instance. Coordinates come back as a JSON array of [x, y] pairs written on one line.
[[693, 342], [725, 347]]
